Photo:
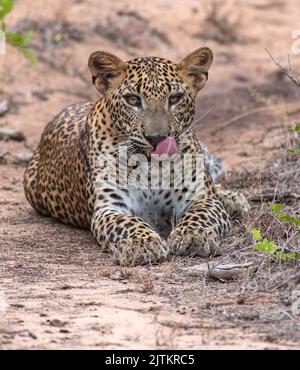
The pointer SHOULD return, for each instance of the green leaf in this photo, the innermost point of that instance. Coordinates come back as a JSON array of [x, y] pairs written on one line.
[[296, 128], [276, 208], [256, 234], [6, 7], [295, 149], [30, 56], [289, 219], [269, 247], [16, 39], [290, 256], [266, 246], [19, 40]]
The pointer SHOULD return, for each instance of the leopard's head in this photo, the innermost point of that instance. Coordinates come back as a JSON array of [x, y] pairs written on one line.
[[150, 98]]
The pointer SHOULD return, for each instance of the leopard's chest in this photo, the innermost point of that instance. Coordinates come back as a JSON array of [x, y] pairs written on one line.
[[155, 191], [160, 208]]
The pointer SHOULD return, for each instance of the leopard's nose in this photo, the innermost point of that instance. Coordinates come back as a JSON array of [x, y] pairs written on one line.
[[154, 140]]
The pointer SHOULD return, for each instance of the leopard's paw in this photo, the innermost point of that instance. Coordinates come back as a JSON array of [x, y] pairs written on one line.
[[132, 252], [235, 202], [201, 243], [239, 205]]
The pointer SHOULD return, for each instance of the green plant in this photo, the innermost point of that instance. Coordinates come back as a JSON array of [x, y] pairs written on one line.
[[296, 148], [16, 39], [267, 246], [294, 221], [264, 245]]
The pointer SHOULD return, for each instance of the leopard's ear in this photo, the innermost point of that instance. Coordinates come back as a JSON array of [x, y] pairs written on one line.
[[195, 66], [107, 70]]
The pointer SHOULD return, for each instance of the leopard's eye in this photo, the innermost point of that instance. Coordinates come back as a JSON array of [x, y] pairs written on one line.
[[174, 99], [133, 100]]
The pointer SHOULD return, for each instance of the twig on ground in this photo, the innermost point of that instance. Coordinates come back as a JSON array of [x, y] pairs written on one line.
[[270, 196]]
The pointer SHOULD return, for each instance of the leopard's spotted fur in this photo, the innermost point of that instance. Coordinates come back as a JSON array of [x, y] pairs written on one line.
[[143, 100]]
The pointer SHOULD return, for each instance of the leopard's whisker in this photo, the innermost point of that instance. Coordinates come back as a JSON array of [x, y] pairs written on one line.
[[201, 117], [194, 124]]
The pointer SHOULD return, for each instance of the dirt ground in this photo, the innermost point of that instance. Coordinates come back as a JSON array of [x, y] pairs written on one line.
[[60, 290]]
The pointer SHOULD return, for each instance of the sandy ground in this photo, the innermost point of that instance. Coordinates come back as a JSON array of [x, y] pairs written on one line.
[[60, 290]]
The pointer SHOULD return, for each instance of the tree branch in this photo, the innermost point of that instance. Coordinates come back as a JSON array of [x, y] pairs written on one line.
[[289, 73]]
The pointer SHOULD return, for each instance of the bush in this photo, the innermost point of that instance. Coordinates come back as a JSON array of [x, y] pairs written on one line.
[[16, 39]]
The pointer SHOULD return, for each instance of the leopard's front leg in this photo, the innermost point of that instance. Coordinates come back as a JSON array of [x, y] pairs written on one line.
[[235, 202], [200, 230], [130, 240]]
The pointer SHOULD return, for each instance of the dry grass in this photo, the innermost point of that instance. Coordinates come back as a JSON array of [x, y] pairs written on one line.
[[146, 280], [166, 334], [221, 24], [278, 182], [288, 72]]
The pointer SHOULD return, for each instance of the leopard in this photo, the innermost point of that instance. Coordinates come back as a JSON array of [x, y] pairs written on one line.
[[143, 101]]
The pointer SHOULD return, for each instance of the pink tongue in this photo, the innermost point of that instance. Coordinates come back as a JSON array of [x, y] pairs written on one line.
[[166, 146]]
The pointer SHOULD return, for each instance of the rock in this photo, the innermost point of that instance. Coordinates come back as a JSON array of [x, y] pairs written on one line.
[[4, 107], [249, 315], [11, 134], [57, 323], [23, 158], [3, 159]]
